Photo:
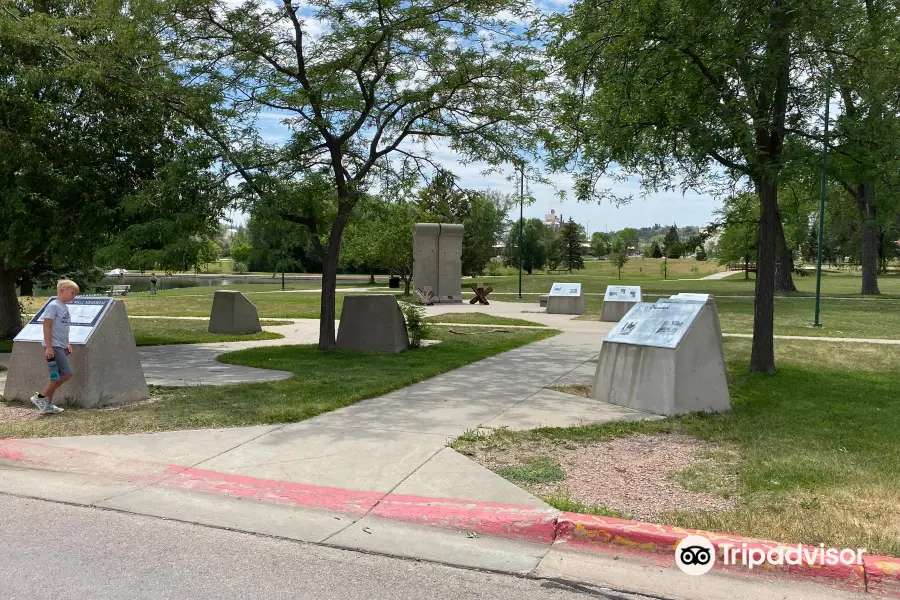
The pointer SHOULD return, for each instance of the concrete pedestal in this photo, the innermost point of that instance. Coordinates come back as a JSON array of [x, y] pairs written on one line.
[[565, 305], [107, 369], [667, 381], [372, 324], [232, 313], [614, 311], [437, 260]]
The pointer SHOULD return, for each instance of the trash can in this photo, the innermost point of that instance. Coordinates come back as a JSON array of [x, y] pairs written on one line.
[[394, 282]]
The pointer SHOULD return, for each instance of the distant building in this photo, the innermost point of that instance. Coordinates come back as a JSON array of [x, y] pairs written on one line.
[[552, 220]]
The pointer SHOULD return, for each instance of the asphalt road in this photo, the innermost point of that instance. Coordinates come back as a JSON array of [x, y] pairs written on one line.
[[50, 550]]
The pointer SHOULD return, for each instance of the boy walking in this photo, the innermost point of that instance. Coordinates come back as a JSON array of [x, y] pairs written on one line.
[[56, 345]]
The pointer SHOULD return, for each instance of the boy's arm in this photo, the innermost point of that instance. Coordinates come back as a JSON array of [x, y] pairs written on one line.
[[49, 353]]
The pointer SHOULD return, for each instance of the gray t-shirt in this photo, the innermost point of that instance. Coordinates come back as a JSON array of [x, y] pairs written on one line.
[[59, 330]]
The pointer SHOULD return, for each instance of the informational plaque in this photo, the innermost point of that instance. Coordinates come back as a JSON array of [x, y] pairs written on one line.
[[690, 296], [622, 293], [660, 325], [84, 313], [565, 289]]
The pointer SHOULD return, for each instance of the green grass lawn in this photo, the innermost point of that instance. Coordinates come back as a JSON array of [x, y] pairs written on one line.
[[638, 267], [480, 319], [834, 283], [860, 318], [817, 446], [322, 381], [156, 332]]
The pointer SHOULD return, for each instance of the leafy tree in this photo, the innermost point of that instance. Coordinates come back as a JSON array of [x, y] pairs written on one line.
[[240, 236], [384, 240], [484, 227], [701, 252], [360, 86], [572, 236], [672, 244], [862, 54], [811, 245], [208, 253], [655, 250], [275, 242], [738, 238], [556, 249], [241, 253], [536, 240], [600, 243], [619, 254], [89, 159], [630, 236], [697, 93]]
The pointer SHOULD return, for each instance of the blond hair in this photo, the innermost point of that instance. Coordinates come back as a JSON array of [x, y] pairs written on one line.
[[66, 284]]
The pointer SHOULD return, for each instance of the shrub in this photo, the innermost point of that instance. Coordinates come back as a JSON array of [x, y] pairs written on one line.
[[416, 326]]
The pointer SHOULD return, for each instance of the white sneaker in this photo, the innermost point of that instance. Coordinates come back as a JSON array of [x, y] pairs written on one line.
[[41, 403], [52, 409]]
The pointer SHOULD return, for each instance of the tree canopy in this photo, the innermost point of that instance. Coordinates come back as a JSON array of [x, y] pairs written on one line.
[[89, 159], [693, 94], [360, 93]]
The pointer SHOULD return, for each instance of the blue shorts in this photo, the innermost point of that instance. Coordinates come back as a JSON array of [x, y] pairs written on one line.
[[62, 362]]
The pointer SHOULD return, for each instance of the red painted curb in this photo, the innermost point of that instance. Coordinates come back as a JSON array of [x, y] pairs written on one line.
[[528, 523], [883, 576], [606, 534], [877, 574]]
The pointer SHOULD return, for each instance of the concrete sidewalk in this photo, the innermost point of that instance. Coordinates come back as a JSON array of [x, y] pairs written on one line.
[[376, 476], [394, 444]]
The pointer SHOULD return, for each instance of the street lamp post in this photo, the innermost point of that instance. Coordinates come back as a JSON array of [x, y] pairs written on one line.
[[822, 190], [521, 225]]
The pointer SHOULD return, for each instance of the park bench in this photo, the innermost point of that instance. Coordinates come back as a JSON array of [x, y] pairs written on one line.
[[481, 293], [556, 271], [119, 290]]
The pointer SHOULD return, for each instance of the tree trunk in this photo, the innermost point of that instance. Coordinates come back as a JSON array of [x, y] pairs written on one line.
[[406, 281], [746, 268], [784, 265], [26, 285], [762, 356], [327, 340], [865, 201], [372, 277], [10, 317]]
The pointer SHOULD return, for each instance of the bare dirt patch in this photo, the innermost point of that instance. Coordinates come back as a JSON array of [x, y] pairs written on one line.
[[18, 412], [640, 476], [576, 390]]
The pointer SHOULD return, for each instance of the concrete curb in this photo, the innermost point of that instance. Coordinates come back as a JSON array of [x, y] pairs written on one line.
[[877, 575], [632, 538]]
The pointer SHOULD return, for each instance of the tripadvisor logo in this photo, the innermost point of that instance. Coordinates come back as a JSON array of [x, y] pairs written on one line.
[[695, 555]]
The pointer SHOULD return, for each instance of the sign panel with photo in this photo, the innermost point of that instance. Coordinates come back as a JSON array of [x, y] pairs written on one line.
[[84, 313], [565, 289], [662, 325], [623, 293]]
